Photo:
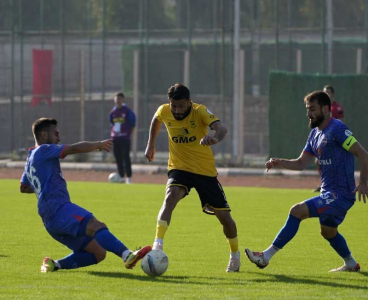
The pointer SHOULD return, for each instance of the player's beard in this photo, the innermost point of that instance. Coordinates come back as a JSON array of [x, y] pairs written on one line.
[[317, 121], [182, 116]]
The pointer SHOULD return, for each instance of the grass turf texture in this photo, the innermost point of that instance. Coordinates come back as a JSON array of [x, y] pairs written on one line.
[[197, 250]]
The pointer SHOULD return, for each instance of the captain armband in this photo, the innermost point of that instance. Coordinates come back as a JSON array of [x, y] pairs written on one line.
[[350, 141]]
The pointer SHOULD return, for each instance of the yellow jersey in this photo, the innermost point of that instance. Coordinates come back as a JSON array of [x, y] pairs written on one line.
[[185, 152]]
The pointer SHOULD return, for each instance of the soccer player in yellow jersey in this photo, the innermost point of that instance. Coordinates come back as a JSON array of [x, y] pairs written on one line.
[[191, 164]]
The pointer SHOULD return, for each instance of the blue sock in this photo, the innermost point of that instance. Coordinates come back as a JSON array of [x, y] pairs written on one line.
[[287, 232], [339, 244], [77, 260], [109, 242]]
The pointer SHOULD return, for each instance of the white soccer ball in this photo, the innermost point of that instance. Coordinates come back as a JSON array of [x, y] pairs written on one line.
[[114, 177], [155, 263]]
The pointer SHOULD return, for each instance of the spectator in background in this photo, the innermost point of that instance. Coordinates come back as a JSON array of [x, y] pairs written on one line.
[[337, 112], [122, 120]]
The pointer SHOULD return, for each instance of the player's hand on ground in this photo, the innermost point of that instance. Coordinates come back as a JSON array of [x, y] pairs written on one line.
[[105, 145], [362, 190], [272, 163], [150, 153], [208, 140]]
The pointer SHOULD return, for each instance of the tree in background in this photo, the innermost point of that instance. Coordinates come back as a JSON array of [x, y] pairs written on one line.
[[28, 14], [125, 14], [169, 14]]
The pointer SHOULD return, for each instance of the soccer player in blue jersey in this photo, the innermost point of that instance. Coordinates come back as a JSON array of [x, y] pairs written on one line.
[[334, 145], [66, 222]]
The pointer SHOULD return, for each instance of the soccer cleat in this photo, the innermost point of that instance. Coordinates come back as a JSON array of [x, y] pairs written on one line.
[[136, 256], [48, 265], [128, 180], [256, 258], [234, 263], [157, 246], [344, 268]]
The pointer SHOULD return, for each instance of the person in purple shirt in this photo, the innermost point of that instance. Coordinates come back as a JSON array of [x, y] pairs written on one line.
[[66, 222], [334, 145], [122, 120]]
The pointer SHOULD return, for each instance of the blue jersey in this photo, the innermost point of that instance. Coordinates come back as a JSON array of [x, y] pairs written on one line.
[[336, 163], [42, 172]]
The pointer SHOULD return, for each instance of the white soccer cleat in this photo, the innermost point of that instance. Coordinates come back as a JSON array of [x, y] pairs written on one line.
[[234, 263], [344, 268], [158, 246], [128, 180], [256, 258]]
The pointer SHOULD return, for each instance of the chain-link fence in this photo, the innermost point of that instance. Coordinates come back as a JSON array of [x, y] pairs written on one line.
[[99, 47]]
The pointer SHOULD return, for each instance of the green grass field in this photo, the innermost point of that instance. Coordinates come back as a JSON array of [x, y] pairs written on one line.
[[197, 250]]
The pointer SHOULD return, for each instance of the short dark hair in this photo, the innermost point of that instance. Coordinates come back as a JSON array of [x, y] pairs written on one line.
[[120, 94], [42, 124], [178, 92], [321, 97], [329, 87]]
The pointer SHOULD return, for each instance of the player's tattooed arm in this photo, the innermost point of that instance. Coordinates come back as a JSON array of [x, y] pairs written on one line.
[[153, 131], [220, 132]]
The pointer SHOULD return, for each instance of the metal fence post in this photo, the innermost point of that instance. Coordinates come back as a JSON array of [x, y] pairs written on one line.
[[103, 115], [12, 74], [21, 77]]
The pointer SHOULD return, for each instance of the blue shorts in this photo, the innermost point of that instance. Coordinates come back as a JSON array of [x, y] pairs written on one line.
[[329, 207], [65, 225]]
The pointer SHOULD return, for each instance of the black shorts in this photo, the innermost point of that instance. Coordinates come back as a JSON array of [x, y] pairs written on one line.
[[208, 188]]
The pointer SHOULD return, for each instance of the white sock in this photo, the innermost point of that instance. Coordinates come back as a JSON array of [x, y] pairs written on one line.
[[235, 254], [125, 254], [57, 265], [160, 241], [271, 251], [350, 261]]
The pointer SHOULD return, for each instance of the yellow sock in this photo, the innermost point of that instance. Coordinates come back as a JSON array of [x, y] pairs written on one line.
[[233, 244], [161, 229]]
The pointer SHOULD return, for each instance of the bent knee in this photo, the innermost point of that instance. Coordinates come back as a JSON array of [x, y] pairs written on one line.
[[100, 256], [328, 233], [98, 225], [174, 195], [225, 218], [299, 210], [93, 226]]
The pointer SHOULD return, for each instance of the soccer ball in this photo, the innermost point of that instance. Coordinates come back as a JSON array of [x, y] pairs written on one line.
[[155, 263], [114, 177]]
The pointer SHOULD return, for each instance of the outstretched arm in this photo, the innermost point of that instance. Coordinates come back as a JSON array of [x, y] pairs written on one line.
[[292, 164], [362, 156], [85, 147], [220, 132], [153, 131]]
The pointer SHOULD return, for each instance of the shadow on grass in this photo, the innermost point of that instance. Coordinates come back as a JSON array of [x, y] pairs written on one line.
[[310, 281], [172, 279], [166, 278], [230, 280], [2, 255]]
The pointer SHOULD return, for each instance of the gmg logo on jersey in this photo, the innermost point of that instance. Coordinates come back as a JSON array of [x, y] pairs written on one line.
[[183, 139]]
